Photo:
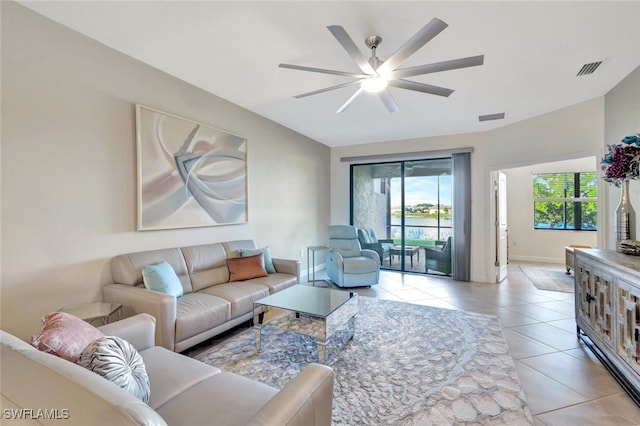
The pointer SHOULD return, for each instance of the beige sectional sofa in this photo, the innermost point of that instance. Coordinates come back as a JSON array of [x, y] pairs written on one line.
[[210, 304], [41, 388]]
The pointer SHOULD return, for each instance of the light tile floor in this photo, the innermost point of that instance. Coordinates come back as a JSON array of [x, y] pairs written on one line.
[[563, 381]]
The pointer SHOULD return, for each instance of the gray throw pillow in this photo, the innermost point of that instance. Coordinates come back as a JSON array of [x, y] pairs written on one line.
[[118, 361]]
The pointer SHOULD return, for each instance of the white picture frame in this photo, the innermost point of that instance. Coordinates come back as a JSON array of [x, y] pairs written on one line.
[[188, 174]]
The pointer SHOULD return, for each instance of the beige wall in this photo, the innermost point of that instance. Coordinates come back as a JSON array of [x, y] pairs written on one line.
[[572, 132], [69, 168], [540, 245], [622, 118]]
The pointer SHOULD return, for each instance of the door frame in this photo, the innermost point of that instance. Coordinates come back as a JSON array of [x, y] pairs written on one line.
[[501, 252], [492, 235]]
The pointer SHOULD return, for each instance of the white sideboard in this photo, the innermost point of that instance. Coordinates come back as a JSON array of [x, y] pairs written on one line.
[[607, 297]]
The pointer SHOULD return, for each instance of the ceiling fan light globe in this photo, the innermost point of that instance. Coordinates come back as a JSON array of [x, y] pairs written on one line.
[[387, 75], [374, 84]]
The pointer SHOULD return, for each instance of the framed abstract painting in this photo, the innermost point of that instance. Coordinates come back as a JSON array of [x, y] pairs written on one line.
[[189, 174]]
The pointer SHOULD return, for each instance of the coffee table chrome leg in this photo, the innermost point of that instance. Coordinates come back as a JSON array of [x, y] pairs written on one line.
[[322, 351], [257, 328], [258, 332], [352, 327], [321, 343]]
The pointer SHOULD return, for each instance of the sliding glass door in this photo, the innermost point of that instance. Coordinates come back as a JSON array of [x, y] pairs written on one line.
[[406, 209]]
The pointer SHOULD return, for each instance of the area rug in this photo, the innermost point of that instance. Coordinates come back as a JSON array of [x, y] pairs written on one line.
[[406, 365], [552, 278]]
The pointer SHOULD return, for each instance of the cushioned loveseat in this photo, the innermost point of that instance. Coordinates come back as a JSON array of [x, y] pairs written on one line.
[[41, 388], [210, 303]]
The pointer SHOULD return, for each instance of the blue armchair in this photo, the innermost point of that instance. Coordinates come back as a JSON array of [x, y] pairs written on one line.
[[347, 264]]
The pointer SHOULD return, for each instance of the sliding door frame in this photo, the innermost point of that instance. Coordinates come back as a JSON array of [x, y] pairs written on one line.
[[388, 225]]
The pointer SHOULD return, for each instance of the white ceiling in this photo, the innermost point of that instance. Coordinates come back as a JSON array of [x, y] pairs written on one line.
[[533, 51]]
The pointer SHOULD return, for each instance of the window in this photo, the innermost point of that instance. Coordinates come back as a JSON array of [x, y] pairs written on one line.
[[565, 201]]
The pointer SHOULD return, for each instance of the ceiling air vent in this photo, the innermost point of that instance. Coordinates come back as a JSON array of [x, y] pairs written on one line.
[[588, 68], [489, 117]]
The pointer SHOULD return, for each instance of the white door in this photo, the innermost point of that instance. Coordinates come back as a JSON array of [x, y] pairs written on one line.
[[501, 225]]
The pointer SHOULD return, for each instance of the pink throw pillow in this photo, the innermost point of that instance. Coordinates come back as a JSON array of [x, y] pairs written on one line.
[[65, 335]]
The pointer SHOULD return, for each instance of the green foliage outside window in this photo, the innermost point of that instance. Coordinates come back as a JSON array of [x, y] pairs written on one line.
[[565, 201]]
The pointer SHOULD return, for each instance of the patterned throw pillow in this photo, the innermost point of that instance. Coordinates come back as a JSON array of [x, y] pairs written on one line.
[[118, 361], [64, 335]]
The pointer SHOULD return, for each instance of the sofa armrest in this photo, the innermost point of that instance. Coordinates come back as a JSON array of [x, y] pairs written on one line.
[[287, 266], [139, 330], [335, 256], [307, 400], [140, 300], [371, 254], [335, 266]]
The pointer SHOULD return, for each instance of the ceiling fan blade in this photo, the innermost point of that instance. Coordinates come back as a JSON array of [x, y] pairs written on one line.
[[322, 70], [420, 87], [388, 100], [327, 89], [426, 33], [471, 61], [347, 43], [350, 100]]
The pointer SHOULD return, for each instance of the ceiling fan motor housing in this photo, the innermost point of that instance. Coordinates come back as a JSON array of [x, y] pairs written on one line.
[[372, 43]]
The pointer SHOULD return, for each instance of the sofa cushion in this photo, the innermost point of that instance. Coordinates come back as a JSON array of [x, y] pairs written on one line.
[[65, 335], [359, 265], [347, 248], [127, 268], [372, 235], [165, 382], [161, 277], [195, 406], [276, 282], [206, 265], [118, 361], [245, 268], [233, 248], [266, 252], [198, 312], [240, 294], [364, 237]]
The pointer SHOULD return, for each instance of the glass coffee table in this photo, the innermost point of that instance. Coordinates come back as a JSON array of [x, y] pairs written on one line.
[[95, 311], [330, 311]]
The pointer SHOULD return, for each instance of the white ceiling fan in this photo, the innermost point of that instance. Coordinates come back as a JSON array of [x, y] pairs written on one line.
[[377, 75]]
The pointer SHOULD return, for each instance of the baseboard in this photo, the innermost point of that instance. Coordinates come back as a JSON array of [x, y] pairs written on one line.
[[304, 276], [483, 279], [558, 260]]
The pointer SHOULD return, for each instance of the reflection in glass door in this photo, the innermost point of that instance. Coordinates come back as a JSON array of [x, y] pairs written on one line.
[[403, 210]]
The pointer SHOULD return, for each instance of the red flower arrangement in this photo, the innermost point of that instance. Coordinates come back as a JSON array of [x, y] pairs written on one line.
[[622, 162]]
